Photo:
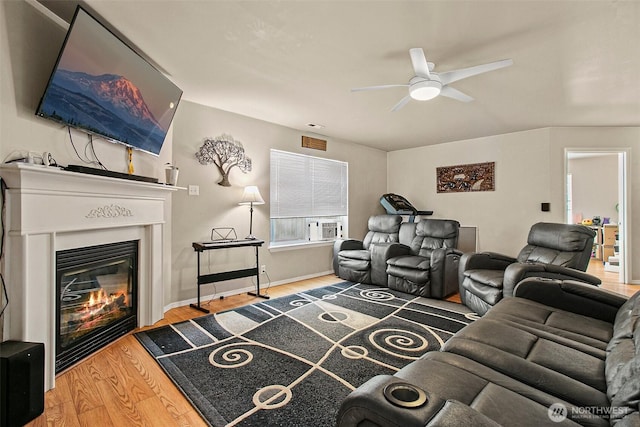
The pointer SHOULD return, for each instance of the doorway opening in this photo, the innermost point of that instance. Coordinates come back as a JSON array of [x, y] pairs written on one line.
[[596, 195]]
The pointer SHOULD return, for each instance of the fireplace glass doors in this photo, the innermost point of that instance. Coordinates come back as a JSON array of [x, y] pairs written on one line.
[[97, 298]]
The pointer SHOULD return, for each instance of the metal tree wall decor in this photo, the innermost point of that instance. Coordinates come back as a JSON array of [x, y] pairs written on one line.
[[226, 153]]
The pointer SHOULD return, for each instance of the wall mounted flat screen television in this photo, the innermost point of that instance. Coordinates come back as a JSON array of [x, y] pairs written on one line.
[[102, 86]]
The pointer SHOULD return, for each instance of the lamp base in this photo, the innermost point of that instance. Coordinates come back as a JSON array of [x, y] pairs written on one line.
[[251, 237]]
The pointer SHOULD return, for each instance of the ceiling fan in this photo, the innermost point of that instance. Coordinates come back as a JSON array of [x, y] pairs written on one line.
[[427, 84]]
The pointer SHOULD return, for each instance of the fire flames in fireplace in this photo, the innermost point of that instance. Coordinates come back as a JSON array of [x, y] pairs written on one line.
[[95, 309], [99, 302]]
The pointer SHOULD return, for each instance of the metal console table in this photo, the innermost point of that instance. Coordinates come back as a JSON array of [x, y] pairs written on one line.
[[200, 247]]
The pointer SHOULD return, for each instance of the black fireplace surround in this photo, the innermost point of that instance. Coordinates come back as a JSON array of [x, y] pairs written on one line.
[[97, 291]]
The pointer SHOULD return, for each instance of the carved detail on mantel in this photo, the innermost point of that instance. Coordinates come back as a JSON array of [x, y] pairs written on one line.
[[109, 211]]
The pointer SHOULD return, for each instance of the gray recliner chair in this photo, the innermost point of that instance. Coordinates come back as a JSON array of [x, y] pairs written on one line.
[[557, 251], [429, 268], [365, 260]]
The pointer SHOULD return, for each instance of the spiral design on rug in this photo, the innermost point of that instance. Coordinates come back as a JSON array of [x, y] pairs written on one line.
[[299, 302], [377, 295], [399, 343], [231, 356]]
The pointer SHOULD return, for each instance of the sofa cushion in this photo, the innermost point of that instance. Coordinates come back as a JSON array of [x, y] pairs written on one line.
[[359, 254], [412, 275], [574, 326], [488, 391], [491, 278], [542, 363], [410, 261]]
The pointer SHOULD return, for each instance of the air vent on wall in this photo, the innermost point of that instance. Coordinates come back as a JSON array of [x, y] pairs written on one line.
[[314, 143]]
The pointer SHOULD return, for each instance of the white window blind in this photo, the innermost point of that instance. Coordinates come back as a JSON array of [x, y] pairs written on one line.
[[306, 186]]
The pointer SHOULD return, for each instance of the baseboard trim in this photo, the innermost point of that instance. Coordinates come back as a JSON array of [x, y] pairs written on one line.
[[238, 291]]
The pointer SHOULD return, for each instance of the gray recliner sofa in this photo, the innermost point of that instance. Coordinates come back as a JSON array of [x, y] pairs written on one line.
[[417, 258], [557, 353]]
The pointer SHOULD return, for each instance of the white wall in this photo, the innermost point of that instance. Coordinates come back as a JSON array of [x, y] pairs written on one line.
[[530, 169], [217, 206], [502, 216], [595, 186]]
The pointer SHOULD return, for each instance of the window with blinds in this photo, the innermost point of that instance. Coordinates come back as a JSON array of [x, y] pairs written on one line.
[[308, 200]]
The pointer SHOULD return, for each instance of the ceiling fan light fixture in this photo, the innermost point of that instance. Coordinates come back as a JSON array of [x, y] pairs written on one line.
[[425, 90]]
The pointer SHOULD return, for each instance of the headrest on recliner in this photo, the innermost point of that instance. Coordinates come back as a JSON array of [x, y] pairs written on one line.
[[384, 223], [562, 237], [439, 228]]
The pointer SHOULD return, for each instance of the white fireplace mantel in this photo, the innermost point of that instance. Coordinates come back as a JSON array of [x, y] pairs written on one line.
[[47, 210]]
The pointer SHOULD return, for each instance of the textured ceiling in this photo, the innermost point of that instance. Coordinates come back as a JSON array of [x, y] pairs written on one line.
[[576, 63]]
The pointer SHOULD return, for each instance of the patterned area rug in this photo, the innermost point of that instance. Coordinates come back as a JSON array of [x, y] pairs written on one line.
[[291, 361]]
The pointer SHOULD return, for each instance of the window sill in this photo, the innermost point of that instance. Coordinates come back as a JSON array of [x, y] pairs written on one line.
[[302, 245]]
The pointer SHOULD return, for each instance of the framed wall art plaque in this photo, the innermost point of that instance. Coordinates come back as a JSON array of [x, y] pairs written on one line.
[[466, 178]]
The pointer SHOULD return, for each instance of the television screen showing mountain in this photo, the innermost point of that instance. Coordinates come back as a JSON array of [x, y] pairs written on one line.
[[102, 86]]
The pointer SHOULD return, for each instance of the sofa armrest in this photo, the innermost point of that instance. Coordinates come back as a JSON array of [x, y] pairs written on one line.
[[519, 271], [572, 296], [367, 405], [483, 261], [444, 265], [344, 245], [380, 253]]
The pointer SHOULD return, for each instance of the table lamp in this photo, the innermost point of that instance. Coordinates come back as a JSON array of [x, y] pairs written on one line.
[[251, 196]]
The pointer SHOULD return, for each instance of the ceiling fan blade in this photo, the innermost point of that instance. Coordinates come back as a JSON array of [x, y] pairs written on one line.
[[455, 75], [359, 89], [452, 93], [401, 104], [419, 61]]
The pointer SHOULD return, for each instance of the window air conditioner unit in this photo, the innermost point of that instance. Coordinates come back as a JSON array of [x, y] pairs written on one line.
[[324, 230]]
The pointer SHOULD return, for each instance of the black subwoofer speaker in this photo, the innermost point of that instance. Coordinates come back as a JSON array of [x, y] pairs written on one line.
[[21, 382]]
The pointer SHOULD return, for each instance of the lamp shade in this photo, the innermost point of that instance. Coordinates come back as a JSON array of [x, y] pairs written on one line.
[[251, 195]]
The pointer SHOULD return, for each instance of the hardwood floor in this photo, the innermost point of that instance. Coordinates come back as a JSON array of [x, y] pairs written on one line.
[[610, 281], [121, 385]]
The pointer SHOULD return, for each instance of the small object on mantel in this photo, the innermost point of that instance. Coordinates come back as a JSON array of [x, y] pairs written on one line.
[[130, 152]]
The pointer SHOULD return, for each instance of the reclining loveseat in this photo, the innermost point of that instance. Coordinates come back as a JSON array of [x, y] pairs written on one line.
[[557, 353], [418, 258]]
